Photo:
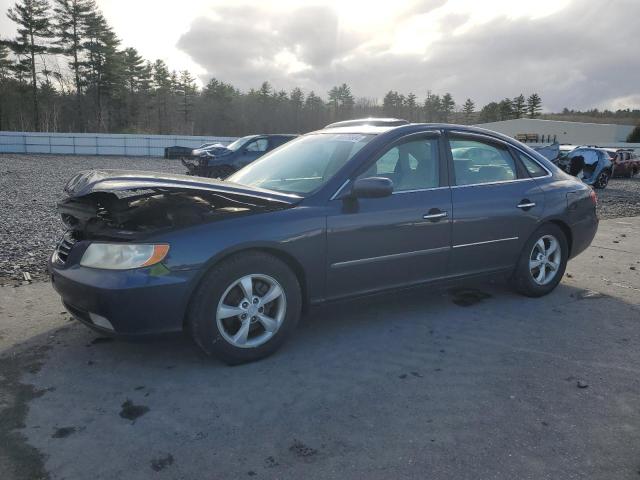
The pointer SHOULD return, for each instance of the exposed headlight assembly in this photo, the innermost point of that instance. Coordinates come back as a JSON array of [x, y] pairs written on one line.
[[123, 256]]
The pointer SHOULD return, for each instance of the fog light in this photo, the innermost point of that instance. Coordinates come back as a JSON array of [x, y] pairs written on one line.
[[100, 321]]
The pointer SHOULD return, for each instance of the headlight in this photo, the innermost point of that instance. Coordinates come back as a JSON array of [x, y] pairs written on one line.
[[122, 256]]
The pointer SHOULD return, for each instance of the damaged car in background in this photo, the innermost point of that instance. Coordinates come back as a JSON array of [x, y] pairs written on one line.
[[337, 213], [220, 161]]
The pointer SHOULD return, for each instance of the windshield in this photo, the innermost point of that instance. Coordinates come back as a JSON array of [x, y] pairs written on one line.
[[304, 164], [236, 144]]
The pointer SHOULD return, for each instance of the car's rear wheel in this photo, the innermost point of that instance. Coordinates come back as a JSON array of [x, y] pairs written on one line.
[[602, 181], [542, 262], [245, 307]]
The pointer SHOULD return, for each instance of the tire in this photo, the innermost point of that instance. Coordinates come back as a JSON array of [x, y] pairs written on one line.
[[221, 293], [524, 277], [221, 171], [602, 181]]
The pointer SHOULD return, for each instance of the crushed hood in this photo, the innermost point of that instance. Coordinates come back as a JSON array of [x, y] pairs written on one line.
[[92, 181]]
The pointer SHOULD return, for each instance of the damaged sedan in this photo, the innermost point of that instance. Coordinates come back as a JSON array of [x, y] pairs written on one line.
[[337, 213]]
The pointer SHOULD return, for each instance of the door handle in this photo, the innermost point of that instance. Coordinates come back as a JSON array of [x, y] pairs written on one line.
[[435, 215], [526, 204]]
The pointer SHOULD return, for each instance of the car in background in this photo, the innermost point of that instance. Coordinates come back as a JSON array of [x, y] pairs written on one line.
[[220, 161], [592, 165], [563, 160], [177, 151], [371, 121], [626, 162], [336, 213]]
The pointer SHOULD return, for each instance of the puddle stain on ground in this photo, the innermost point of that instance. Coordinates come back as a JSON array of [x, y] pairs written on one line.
[[466, 297], [302, 450], [63, 432], [130, 411], [20, 460], [159, 464]]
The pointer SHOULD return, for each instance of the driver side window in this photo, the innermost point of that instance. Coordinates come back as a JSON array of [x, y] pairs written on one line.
[[259, 145], [412, 165]]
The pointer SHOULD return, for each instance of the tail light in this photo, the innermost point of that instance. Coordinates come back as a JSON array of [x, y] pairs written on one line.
[[594, 197]]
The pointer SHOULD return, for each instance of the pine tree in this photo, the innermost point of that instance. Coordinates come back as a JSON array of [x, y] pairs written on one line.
[[490, 112], [447, 106], [534, 105], [468, 109], [34, 30], [411, 104], [104, 68], [519, 106], [71, 18], [187, 90], [432, 108], [506, 109]]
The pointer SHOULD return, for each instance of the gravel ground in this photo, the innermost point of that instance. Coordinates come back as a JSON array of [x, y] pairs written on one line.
[[31, 184]]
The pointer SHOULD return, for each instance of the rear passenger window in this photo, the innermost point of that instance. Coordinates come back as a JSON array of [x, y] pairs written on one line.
[[477, 162], [534, 169], [412, 165]]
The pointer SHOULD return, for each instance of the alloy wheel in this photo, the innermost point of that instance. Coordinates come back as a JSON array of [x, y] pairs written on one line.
[[251, 311], [545, 259]]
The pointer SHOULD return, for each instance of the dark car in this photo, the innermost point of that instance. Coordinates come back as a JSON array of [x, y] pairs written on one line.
[[333, 214], [219, 161]]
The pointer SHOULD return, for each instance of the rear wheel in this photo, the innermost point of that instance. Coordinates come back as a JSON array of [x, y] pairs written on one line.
[[542, 262], [245, 307]]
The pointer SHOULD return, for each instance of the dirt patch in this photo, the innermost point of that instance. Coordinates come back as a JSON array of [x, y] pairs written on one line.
[[466, 297], [130, 411]]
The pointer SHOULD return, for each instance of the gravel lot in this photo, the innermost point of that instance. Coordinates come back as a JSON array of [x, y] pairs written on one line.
[[31, 184]]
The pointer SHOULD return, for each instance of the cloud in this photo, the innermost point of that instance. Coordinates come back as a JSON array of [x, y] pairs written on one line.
[[577, 57]]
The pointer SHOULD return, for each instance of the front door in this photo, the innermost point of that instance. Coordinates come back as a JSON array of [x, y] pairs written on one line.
[[496, 204], [377, 243], [253, 150]]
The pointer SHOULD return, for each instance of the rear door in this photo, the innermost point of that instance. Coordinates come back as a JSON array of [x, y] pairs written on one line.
[[496, 203], [378, 243]]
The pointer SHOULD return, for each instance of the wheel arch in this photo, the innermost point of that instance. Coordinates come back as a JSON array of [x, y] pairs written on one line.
[[287, 258], [566, 230]]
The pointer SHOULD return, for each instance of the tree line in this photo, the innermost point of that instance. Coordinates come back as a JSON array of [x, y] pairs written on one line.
[[66, 70]]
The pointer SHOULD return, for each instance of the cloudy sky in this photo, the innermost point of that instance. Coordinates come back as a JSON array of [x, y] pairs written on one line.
[[575, 53]]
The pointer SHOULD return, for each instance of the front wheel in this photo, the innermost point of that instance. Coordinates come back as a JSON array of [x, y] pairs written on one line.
[[220, 171], [245, 307], [542, 262], [602, 181]]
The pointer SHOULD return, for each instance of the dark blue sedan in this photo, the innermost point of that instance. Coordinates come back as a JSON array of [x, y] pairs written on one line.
[[336, 213], [220, 161]]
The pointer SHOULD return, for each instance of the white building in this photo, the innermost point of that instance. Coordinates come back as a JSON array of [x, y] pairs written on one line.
[[549, 131]]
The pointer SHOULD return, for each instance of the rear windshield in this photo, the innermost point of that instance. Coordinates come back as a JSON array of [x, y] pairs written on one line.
[[304, 164]]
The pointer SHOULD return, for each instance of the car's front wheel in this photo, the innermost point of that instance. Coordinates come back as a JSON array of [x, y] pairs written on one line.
[[245, 307], [542, 262], [602, 181]]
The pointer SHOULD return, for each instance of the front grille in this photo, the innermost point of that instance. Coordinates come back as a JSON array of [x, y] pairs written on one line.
[[64, 248]]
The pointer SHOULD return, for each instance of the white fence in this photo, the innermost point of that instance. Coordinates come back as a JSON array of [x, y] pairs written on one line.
[[99, 143]]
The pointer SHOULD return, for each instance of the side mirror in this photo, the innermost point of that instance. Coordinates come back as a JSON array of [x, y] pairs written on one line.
[[372, 187]]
